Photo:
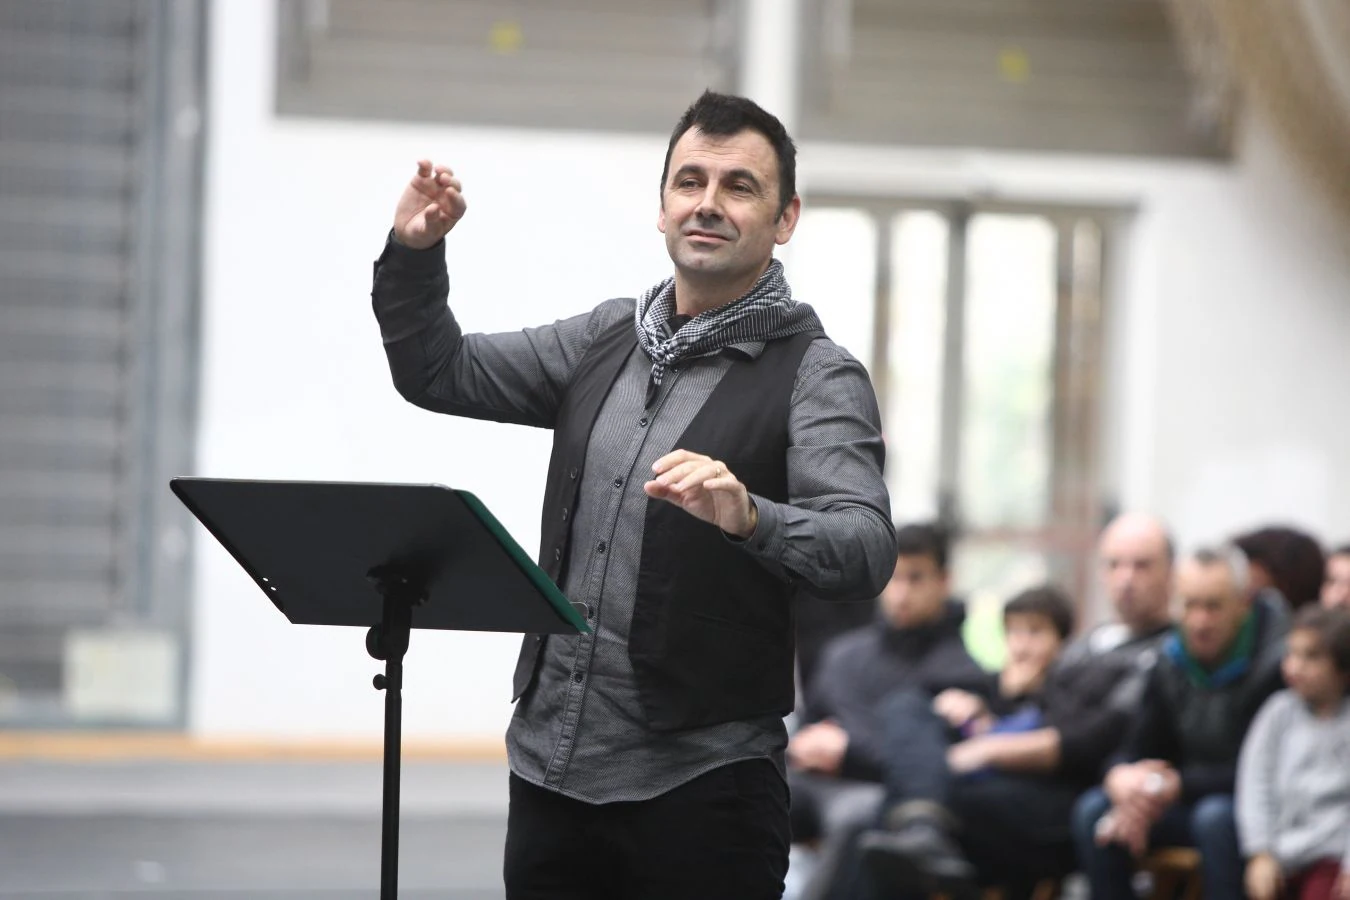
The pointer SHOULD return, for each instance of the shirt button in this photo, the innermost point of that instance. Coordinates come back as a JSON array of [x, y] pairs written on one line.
[[572, 474], [600, 548], [564, 514], [642, 422], [578, 677], [618, 482], [557, 553]]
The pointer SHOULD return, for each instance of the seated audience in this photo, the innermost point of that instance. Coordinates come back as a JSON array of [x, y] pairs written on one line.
[[924, 771], [1336, 584], [1286, 560], [1293, 786], [1217, 668], [834, 759], [1010, 825], [820, 621]]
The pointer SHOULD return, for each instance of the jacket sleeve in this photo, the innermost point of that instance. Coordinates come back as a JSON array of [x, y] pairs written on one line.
[[1093, 735], [1255, 795], [1152, 734], [516, 377], [835, 532], [951, 667]]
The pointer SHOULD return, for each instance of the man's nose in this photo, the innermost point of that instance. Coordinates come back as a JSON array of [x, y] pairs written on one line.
[[709, 205]]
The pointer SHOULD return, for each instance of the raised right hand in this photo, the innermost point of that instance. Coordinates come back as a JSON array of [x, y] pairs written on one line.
[[430, 206]]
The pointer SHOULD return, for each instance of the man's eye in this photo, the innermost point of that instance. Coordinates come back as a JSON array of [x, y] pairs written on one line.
[[688, 183]]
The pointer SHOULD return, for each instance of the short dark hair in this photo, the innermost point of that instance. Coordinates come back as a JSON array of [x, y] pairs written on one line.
[[1332, 627], [1293, 558], [923, 539], [1046, 600], [724, 115]]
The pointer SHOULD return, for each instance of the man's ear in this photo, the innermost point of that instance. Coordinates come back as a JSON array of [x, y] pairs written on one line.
[[787, 220], [661, 219]]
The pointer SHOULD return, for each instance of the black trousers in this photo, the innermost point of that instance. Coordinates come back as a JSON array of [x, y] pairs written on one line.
[[723, 835]]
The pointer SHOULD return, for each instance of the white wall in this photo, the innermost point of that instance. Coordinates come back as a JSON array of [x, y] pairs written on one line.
[[1231, 309], [295, 383]]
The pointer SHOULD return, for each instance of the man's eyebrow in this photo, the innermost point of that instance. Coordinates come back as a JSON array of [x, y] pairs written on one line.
[[744, 175], [733, 175], [687, 169]]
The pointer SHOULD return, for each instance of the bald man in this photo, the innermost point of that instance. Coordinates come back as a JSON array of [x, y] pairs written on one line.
[[1136, 554], [1011, 825]]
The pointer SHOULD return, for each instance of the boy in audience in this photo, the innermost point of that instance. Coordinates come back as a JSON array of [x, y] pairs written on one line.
[[926, 770], [1036, 623], [1293, 787]]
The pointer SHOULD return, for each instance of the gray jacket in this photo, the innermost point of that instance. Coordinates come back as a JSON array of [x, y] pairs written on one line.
[[1293, 787]]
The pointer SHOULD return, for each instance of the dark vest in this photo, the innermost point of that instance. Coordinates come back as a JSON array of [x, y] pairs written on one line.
[[711, 638]]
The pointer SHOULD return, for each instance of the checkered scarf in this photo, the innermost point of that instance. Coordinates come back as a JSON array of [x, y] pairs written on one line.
[[766, 312]]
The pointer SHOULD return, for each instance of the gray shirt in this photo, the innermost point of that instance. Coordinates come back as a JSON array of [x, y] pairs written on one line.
[[1293, 785], [580, 729]]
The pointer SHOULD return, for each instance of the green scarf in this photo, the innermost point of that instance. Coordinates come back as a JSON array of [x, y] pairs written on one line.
[[1230, 669]]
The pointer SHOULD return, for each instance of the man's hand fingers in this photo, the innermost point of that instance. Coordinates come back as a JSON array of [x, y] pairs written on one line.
[[673, 476], [704, 475], [656, 490], [673, 459]]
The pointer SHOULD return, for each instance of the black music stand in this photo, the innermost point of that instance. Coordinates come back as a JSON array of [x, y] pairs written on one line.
[[390, 557]]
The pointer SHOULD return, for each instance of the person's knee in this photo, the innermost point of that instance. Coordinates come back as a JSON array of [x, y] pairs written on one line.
[[1091, 806], [854, 810], [905, 702], [1212, 819]]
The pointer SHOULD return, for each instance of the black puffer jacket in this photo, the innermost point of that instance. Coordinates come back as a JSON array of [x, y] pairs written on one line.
[[860, 668], [1199, 728]]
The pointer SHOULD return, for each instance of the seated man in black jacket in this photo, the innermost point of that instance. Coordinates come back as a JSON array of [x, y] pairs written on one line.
[[1216, 670], [1010, 825], [834, 759]]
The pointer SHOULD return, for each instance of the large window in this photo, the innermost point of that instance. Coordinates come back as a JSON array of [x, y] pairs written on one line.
[[985, 348]]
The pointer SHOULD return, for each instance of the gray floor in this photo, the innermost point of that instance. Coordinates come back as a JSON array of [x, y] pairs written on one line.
[[245, 831]]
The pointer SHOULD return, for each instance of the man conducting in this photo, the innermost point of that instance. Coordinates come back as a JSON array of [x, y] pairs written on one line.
[[712, 451]]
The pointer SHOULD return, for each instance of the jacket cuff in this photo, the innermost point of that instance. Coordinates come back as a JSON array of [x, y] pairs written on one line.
[[767, 539], [405, 260]]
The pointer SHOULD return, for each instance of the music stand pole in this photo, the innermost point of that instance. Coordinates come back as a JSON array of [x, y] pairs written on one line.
[[388, 640]]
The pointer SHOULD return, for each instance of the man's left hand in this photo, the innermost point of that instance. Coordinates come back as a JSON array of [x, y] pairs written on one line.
[[818, 748], [706, 489]]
